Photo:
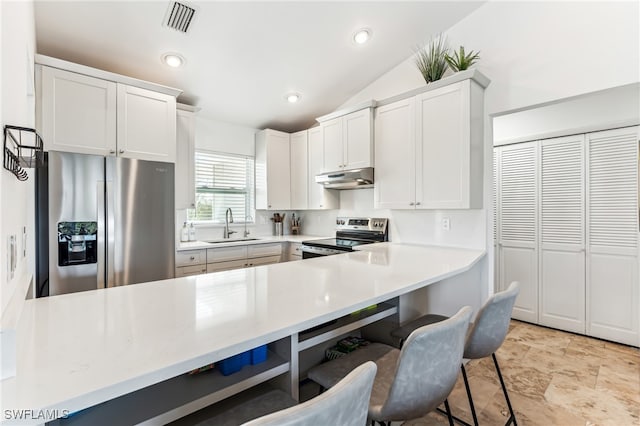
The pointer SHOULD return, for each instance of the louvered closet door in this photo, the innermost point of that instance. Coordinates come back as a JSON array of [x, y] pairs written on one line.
[[562, 256], [496, 213], [518, 226], [612, 235]]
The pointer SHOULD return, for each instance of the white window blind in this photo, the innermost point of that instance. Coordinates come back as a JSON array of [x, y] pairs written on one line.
[[223, 181]]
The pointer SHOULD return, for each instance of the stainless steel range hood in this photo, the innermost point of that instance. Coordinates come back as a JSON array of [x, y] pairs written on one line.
[[347, 179]]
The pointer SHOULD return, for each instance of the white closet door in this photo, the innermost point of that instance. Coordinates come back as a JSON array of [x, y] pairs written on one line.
[[496, 217], [612, 235], [518, 226], [562, 256]]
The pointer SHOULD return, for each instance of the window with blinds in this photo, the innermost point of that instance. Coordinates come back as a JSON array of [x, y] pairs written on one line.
[[223, 181]]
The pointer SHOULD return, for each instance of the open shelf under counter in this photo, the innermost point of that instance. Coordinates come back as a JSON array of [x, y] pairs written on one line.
[[345, 324], [174, 398]]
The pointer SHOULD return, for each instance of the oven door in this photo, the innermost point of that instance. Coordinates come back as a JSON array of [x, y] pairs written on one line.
[[310, 251]]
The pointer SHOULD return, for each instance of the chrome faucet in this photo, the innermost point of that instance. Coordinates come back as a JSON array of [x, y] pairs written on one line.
[[228, 218]]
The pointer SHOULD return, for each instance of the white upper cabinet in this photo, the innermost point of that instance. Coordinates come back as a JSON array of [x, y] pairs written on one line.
[[347, 141], [273, 178], [428, 150], [320, 198], [94, 112], [185, 158], [449, 148], [146, 124], [333, 153], [395, 152], [77, 113], [299, 171]]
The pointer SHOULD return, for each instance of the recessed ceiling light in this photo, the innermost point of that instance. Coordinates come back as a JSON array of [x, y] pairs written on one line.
[[292, 98], [174, 60], [362, 36]]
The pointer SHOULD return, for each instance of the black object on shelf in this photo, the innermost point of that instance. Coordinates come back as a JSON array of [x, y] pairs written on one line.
[[22, 149]]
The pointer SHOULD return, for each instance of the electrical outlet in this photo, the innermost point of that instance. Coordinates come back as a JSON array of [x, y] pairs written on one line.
[[446, 224]]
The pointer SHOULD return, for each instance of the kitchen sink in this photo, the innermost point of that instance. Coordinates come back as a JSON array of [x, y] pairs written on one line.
[[231, 240]]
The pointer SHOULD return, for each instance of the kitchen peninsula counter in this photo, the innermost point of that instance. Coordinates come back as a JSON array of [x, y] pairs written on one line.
[[78, 350]]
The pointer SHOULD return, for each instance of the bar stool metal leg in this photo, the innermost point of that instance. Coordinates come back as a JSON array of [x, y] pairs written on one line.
[[466, 386], [449, 416], [512, 418]]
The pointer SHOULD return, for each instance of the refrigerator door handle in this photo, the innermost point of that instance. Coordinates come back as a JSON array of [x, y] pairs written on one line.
[[111, 279], [101, 233]]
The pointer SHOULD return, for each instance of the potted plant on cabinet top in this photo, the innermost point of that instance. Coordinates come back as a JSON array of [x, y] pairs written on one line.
[[460, 60], [431, 59]]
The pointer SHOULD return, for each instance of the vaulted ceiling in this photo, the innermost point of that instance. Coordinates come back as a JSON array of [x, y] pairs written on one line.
[[242, 58]]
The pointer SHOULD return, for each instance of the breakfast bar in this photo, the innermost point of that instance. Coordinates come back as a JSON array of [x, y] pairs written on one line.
[[79, 350]]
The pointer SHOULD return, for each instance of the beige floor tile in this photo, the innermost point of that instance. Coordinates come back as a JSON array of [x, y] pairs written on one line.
[[597, 406], [554, 378], [583, 370]]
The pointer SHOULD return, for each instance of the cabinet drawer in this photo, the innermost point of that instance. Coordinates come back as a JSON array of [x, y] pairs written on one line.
[[262, 250], [294, 249], [191, 257], [185, 271], [226, 253], [268, 260], [225, 266]]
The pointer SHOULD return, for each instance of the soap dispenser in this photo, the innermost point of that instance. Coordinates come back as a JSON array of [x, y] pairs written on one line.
[[184, 233], [192, 232]]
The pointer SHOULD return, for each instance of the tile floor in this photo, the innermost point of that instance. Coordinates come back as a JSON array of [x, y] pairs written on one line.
[[554, 378]]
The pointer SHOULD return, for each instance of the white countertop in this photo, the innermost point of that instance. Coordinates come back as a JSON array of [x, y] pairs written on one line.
[[196, 245], [80, 349]]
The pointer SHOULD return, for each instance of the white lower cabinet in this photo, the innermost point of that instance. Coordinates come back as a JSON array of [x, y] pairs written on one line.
[[191, 262], [567, 230], [187, 271], [226, 266], [226, 258]]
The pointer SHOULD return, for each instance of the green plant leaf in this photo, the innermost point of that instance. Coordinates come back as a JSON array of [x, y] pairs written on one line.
[[431, 60]]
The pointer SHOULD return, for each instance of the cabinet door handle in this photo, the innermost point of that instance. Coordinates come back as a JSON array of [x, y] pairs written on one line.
[[113, 151], [122, 151], [192, 258], [320, 205], [418, 203], [269, 206], [412, 204]]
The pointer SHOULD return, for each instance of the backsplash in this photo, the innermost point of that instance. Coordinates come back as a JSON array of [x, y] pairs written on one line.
[[467, 227]]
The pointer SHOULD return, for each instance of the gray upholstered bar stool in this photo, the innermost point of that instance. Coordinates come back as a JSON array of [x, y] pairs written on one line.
[[411, 381], [346, 404], [484, 338]]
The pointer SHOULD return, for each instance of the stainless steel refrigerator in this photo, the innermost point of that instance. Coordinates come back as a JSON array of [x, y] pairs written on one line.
[[102, 222]]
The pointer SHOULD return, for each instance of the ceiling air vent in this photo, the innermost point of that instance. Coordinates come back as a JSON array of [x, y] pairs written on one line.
[[179, 16]]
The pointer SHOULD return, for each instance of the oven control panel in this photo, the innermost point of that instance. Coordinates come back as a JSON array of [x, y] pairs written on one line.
[[361, 224]]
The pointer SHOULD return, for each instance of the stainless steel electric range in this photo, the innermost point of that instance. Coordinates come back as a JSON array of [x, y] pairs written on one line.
[[350, 232]]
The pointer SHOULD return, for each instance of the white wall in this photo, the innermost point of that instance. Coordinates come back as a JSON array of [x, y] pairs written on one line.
[[533, 52], [219, 136], [605, 109], [18, 46], [16, 198]]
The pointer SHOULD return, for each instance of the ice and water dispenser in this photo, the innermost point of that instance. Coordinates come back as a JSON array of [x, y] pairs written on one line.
[[77, 243]]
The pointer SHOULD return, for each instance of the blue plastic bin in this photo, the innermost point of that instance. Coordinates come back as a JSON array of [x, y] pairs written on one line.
[[258, 354], [235, 363]]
